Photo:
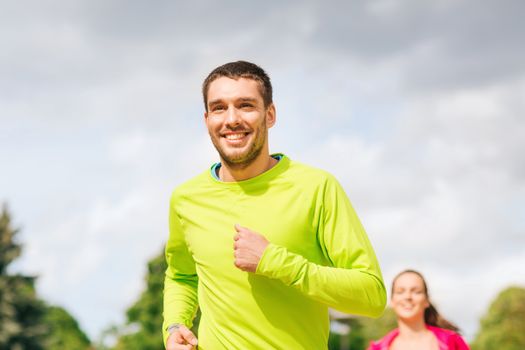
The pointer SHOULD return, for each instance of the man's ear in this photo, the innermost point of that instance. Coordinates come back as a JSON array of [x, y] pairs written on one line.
[[270, 116]]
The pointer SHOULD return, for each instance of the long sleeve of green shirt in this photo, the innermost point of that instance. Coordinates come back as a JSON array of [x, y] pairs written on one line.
[[352, 282], [180, 284]]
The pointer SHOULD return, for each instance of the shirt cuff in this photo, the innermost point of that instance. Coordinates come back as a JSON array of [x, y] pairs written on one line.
[[278, 263]]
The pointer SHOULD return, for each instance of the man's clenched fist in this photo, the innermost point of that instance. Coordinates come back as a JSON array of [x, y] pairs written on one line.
[[181, 339], [248, 248]]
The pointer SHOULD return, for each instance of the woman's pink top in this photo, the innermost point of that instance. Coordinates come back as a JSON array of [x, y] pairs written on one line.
[[447, 340]]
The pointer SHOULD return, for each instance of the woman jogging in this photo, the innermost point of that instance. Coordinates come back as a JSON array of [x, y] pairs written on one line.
[[420, 326]]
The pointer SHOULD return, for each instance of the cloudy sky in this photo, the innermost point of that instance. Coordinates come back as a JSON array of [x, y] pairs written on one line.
[[416, 106]]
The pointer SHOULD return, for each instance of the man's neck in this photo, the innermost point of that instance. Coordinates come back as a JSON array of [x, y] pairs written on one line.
[[258, 166]]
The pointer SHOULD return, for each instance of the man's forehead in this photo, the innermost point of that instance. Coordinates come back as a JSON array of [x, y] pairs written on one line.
[[234, 81], [225, 87]]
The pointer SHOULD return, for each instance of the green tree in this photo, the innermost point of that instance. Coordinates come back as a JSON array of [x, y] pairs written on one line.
[[374, 329], [26, 322], [64, 331], [353, 340], [503, 326], [144, 318], [21, 311], [9, 249], [362, 331]]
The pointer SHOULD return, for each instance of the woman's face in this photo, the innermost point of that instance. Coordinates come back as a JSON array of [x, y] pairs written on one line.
[[409, 299]]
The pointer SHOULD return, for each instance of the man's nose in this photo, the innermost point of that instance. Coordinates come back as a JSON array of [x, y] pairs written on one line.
[[233, 117]]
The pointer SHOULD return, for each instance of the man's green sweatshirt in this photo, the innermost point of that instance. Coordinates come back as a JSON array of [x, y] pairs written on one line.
[[319, 257]]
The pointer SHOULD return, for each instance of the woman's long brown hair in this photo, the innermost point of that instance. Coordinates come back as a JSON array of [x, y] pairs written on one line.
[[432, 316]]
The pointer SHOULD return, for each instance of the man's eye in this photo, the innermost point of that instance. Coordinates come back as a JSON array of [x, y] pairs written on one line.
[[246, 105], [217, 108]]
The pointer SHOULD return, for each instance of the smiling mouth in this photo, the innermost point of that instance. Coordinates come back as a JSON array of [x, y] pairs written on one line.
[[235, 136]]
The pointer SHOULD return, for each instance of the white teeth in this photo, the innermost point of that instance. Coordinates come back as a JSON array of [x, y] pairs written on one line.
[[234, 136]]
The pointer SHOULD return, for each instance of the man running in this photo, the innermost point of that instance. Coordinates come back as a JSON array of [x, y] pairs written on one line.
[[264, 245]]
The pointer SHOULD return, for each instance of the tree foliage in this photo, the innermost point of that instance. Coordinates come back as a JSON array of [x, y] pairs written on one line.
[[26, 322], [64, 331], [503, 326], [362, 331], [21, 311], [9, 249], [144, 318], [354, 340], [374, 329]]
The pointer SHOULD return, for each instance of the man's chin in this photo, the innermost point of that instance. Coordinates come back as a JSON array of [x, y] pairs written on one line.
[[239, 160], [235, 154]]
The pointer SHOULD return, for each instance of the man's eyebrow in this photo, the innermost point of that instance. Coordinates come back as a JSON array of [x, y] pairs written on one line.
[[214, 102], [248, 99]]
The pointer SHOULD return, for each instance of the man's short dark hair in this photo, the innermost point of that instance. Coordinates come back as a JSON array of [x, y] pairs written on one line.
[[236, 70]]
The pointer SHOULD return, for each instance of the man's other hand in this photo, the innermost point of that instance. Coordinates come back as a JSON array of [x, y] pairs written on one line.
[[248, 248], [181, 339]]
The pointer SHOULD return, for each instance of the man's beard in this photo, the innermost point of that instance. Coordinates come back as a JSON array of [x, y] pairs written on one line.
[[243, 160]]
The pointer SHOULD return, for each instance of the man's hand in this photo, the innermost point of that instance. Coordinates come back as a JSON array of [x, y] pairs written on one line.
[[181, 339], [248, 248]]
